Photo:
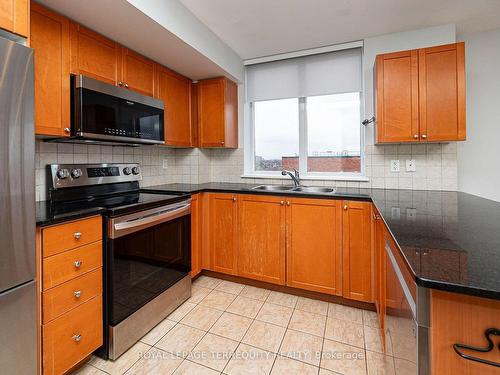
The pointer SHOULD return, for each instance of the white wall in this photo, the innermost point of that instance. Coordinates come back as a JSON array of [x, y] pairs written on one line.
[[478, 172]]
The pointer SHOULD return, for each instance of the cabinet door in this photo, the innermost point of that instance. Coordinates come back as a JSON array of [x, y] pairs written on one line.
[[94, 55], [314, 245], [357, 250], [218, 113], [223, 231], [175, 91], [138, 72], [14, 16], [50, 41], [195, 235], [397, 97], [261, 250], [211, 112], [442, 93]]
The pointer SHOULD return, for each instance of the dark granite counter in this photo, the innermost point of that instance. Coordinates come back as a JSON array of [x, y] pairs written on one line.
[[450, 240]]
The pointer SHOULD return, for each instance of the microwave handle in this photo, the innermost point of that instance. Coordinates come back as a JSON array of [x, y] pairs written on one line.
[[121, 229]]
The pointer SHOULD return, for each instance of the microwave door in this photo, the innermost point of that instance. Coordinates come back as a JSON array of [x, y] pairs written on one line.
[[146, 121]]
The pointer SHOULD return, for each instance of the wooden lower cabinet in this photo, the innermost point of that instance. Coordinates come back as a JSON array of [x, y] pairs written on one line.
[[72, 337], [462, 319], [357, 250], [261, 238], [314, 245], [223, 228], [70, 304]]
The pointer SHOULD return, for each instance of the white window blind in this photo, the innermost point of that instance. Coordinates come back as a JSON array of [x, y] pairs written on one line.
[[322, 74]]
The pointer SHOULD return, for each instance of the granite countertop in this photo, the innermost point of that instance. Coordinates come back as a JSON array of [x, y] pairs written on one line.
[[450, 240]]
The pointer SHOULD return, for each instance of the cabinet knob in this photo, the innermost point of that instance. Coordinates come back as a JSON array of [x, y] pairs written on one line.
[[78, 263], [77, 235], [346, 207], [77, 293], [415, 136], [67, 130], [77, 337], [282, 202], [424, 136], [222, 143], [120, 83], [234, 199], [126, 85], [288, 203]]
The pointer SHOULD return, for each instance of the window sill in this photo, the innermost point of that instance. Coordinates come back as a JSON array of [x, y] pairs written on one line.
[[308, 178]]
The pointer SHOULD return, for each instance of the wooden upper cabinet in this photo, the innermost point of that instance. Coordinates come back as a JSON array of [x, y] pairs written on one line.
[[94, 55], [138, 72], [14, 16], [357, 250], [261, 250], [420, 95], [217, 113], [442, 93], [397, 97], [50, 42], [223, 233], [314, 245], [175, 91]]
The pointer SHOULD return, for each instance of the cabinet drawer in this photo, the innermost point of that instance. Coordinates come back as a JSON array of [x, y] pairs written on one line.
[[73, 336], [71, 294], [63, 267], [64, 237]]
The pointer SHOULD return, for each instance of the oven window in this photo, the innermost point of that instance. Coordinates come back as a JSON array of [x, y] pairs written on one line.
[[144, 264]]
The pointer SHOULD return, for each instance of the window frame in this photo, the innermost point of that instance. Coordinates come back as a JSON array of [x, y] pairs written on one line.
[[249, 166]]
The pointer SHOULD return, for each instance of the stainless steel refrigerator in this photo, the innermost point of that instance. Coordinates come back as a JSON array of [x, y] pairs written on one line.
[[17, 211]]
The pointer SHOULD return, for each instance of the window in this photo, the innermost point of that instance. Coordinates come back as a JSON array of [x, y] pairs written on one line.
[[306, 115]]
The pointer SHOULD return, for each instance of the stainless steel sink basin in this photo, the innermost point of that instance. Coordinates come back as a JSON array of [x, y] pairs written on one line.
[[273, 188], [314, 189]]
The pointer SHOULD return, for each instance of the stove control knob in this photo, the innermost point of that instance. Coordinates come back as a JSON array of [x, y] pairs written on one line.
[[127, 171], [62, 174], [76, 173], [136, 170]]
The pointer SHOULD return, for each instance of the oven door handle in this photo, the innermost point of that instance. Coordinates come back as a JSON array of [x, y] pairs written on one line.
[[131, 226]]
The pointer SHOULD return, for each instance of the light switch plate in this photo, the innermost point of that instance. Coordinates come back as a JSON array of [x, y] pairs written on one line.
[[411, 166], [411, 213], [395, 213], [394, 165], [165, 164]]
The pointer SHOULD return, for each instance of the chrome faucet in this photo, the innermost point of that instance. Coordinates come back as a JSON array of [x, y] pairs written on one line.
[[294, 175]]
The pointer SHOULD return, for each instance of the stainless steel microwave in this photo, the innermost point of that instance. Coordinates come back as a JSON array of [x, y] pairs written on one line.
[[105, 113]]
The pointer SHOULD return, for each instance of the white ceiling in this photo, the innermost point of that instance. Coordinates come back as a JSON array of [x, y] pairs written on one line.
[[255, 28]]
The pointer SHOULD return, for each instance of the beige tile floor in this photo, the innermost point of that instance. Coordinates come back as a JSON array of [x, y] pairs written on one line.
[[229, 328]]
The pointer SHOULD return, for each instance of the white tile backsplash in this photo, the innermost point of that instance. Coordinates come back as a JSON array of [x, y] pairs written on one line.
[[436, 165]]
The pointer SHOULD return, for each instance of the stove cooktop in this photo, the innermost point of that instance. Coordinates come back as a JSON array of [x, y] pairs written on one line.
[[117, 204]]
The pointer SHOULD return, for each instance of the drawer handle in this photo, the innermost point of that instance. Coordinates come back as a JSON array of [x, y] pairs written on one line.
[[78, 263], [77, 337], [77, 235], [77, 293]]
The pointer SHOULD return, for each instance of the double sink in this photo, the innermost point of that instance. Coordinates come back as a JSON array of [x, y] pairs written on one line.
[[298, 189]]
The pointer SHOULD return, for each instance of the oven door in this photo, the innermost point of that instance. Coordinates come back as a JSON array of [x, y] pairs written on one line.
[[148, 252]]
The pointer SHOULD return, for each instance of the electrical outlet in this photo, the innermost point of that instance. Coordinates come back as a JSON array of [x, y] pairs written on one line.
[[411, 213], [165, 164], [395, 213], [394, 165], [411, 166]]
